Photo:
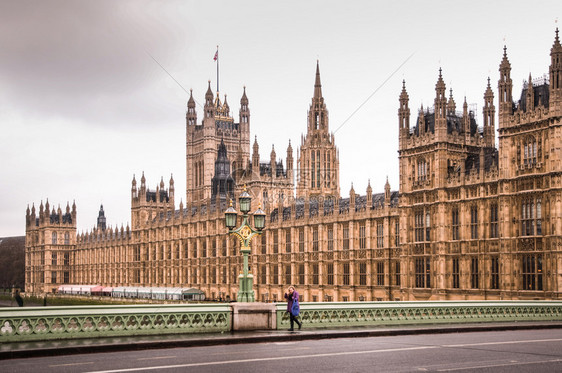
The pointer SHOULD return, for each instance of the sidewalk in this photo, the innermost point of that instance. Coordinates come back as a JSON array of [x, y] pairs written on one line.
[[84, 346]]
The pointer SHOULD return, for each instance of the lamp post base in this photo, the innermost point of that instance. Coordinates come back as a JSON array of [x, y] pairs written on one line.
[[245, 293]]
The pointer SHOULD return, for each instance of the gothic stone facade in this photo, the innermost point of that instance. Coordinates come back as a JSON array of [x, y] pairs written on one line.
[[470, 221]]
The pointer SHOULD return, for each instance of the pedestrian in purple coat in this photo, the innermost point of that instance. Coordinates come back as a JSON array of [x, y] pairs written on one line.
[[292, 296]]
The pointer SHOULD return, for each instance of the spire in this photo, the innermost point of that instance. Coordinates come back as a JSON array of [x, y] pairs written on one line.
[[451, 105], [244, 99], [209, 95], [317, 84], [556, 44], [191, 101]]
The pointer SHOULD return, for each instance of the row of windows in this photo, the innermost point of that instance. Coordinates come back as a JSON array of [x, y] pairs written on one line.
[[531, 273], [531, 221], [54, 238]]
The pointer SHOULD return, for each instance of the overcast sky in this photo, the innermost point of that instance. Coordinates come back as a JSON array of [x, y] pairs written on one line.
[[85, 104]]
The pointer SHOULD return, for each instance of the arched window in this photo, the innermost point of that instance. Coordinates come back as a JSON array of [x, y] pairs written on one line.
[[529, 151]]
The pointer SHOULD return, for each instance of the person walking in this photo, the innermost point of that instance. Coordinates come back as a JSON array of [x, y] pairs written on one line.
[[292, 297]]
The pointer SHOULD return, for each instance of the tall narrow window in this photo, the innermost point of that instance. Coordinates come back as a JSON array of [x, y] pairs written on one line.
[[263, 274], [423, 272], [427, 227], [456, 273], [275, 274], [345, 270], [301, 240], [532, 272], [397, 233], [315, 274], [66, 238], [474, 274], [301, 274], [288, 240], [455, 224], [474, 222], [380, 273], [362, 237], [315, 238], [494, 272], [54, 238], [380, 235], [362, 273], [494, 221], [345, 232], [531, 217], [330, 238], [397, 273], [264, 243], [287, 274], [330, 273], [418, 226], [275, 242]]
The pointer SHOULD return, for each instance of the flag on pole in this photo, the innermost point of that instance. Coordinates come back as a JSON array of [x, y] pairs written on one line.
[[216, 55]]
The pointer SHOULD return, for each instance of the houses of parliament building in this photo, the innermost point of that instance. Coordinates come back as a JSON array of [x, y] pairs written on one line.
[[471, 219]]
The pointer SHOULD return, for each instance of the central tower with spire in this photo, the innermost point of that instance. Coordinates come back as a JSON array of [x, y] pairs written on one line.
[[317, 158]]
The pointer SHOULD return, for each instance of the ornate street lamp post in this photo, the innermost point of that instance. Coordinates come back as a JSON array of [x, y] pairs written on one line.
[[245, 233]]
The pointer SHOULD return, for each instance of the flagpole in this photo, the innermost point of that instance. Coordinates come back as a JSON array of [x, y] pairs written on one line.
[[217, 69]]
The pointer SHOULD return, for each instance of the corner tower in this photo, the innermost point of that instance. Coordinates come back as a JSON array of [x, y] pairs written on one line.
[[317, 158]]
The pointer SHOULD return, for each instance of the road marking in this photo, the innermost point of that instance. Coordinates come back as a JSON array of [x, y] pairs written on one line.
[[265, 359], [503, 343], [156, 358], [500, 365], [70, 364], [334, 354]]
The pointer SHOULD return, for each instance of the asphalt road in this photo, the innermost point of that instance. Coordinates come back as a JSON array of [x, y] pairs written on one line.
[[505, 351]]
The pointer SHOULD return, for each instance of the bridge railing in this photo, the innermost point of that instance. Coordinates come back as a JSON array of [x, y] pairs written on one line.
[[328, 315], [52, 323], [48, 323]]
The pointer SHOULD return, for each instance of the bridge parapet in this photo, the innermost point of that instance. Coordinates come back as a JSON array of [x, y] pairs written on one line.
[[54, 323], [51, 323], [328, 315]]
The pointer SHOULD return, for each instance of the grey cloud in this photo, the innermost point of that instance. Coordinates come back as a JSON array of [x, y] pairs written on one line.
[[82, 59]]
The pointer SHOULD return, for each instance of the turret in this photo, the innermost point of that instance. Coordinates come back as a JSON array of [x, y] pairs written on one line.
[[404, 115], [289, 162], [101, 219], [191, 115], [505, 91], [530, 95], [171, 191], [256, 157], [489, 116], [244, 109], [369, 195], [451, 105], [273, 159], [440, 108], [209, 106], [555, 71], [387, 192]]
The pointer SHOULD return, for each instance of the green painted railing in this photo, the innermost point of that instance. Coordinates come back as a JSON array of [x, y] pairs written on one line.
[[48, 323], [51, 323], [327, 315]]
